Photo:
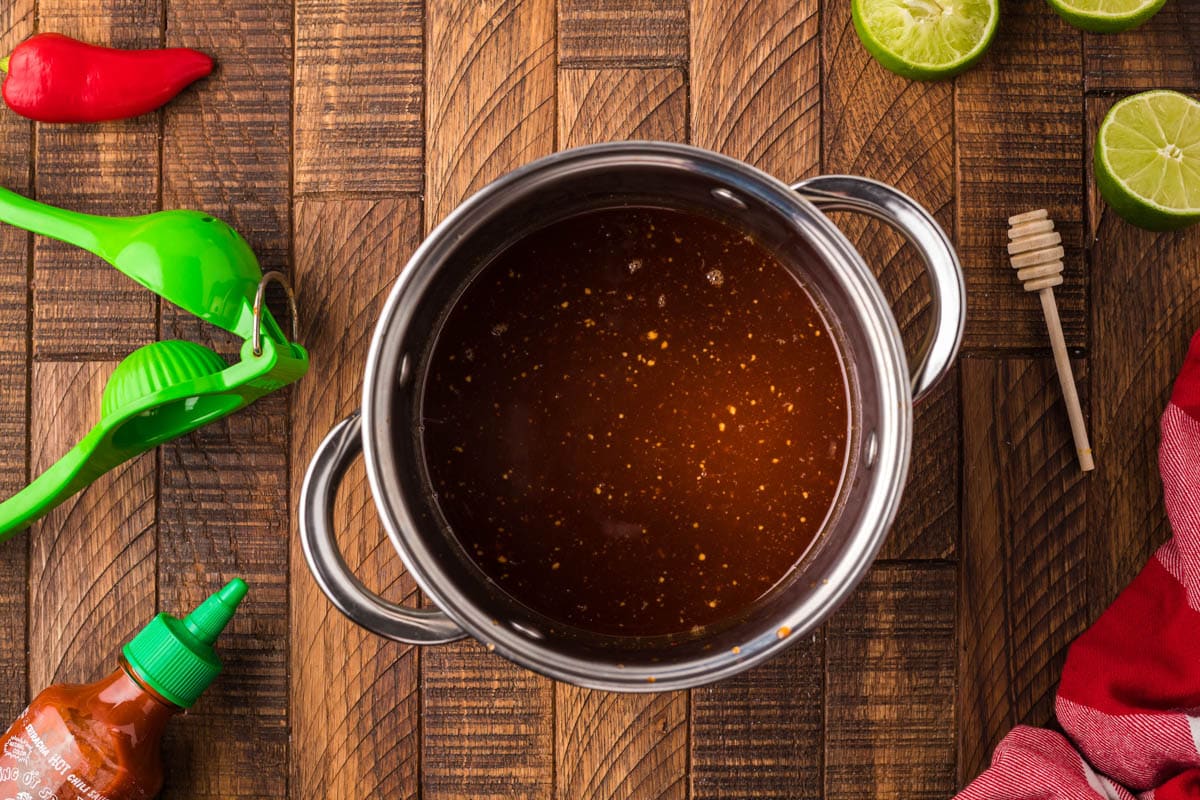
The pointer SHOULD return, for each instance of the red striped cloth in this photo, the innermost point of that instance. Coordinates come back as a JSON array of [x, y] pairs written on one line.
[[1129, 700]]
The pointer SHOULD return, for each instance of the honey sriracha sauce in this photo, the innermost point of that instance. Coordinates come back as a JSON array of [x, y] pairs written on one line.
[[101, 741]]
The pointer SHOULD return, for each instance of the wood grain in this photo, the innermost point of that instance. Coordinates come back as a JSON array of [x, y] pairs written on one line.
[[755, 95], [622, 33], [227, 145], [1145, 308], [901, 132], [92, 559], [358, 96], [756, 82], [82, 307], [605, 105], [16, 22], [487, 726], [490, 81], [355, 704], [760, 734], [894, 130], [223, 513], [611, 745], [1019, 147], [392, 101], [223, 504], [1164, 53], [620, 745], [927, 523], [889, 702], [1023, 594]]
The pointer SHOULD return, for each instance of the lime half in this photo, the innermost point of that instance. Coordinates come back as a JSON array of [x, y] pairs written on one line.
[[1148, 160], [1106, 16], [926, 39]]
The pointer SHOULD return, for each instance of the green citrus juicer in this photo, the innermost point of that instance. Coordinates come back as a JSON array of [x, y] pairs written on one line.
[[169, 388]]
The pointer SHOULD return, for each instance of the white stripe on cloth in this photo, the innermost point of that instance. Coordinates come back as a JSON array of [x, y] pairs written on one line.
[[1177, 460], [1139, 750], [1099, 783]]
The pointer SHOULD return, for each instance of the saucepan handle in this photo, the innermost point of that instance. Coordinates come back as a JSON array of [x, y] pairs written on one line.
[[341, 586], [921, 230]]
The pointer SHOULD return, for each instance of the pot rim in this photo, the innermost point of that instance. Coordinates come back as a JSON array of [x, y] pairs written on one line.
[[386, 368]]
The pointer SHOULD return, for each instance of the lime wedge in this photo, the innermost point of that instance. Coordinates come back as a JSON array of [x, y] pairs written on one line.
[[926, 39], [1106, 16], [1148, 160]]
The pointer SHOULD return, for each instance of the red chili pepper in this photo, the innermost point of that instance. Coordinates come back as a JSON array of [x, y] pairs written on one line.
[[54, 78]]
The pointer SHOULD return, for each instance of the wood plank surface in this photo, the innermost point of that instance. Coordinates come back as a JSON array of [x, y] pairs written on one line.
[[334, 135], [487, 725], [358, 97], [1161, 54], [92, 559], [622, 33], [354, 705], [901, 132], [604, 105], [223, 514], [1154, 281], [82, 307], [610, 745], [1019, 139], [226, 145], [223, 490], [490, 90], [889, 703], [760, 734], [1023, 594], [619, 745], [755, 94], [16, 162], [756, 83], [891, 651]]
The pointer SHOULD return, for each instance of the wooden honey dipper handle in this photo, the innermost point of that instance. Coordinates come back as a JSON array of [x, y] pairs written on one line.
[[1035, 251]]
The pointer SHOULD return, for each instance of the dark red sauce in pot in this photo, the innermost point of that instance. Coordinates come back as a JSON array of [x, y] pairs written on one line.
[[636, 421]]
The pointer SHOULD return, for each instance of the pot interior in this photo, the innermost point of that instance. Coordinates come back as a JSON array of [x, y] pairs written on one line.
[[467, 243]]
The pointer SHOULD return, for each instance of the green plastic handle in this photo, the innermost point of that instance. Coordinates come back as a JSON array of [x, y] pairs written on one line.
[[148, 420], [164, 389], [188, 258]]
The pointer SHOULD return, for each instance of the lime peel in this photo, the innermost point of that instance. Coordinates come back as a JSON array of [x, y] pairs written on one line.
[[1147, 159], [1106, 16], [926, 39]]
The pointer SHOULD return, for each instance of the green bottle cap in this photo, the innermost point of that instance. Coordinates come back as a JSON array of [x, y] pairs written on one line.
[[175, 657]]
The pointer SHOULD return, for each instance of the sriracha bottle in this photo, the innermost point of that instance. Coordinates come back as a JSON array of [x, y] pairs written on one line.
[[100, 741]]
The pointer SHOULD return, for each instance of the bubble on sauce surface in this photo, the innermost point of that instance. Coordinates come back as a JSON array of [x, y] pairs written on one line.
[[715, 277]]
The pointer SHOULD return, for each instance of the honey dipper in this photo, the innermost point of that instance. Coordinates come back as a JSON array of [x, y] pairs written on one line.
[[1035, 250]]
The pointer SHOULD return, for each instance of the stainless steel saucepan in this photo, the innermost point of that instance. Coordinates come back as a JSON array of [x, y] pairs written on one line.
[[790, 220]]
